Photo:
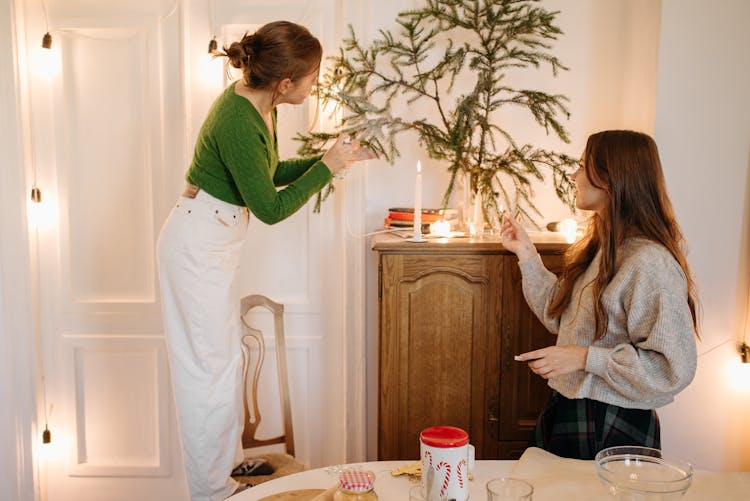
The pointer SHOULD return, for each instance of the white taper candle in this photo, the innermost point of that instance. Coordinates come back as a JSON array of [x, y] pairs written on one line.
[[418, 203]]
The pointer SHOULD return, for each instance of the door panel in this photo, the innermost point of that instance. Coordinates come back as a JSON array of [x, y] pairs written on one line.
[[121, 407], [111, 151], [522, 393], [437, 313]]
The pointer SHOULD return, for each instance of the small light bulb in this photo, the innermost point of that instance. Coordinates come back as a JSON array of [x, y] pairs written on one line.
[[440, 228], [36, 195], [46, 435], [47, 41], [569, 228]]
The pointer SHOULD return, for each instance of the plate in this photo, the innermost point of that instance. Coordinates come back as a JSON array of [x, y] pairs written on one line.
[[298, 495]]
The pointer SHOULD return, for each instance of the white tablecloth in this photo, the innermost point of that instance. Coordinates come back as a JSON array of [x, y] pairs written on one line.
[[388, 487], [553, 478], [556, 479]]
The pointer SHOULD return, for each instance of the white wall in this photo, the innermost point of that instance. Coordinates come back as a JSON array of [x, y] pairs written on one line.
[[703, 131], [617, 51]]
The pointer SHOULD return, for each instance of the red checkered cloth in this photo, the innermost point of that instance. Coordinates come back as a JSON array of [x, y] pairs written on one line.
[[356, 481]]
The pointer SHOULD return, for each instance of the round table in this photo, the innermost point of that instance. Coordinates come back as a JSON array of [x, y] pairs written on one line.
[[388, 487]]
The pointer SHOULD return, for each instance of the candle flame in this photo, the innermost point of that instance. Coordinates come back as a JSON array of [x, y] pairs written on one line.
[[419, 167]]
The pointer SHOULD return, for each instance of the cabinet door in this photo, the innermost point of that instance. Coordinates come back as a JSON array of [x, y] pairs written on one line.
[[523, 394], [437, 313]]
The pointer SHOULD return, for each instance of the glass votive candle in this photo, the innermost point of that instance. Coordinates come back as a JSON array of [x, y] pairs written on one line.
[[509, 489], [415, 494]]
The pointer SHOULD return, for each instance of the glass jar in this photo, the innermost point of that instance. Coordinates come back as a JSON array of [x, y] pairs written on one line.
[[356, 486]]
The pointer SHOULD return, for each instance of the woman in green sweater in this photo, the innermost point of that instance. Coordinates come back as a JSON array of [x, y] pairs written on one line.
[[623, 308], [235, 169]]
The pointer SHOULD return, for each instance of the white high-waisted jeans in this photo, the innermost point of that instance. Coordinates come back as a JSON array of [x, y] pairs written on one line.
[[198, 254]]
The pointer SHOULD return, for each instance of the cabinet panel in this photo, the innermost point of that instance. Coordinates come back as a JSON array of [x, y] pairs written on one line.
[[436, 314], [522, 393]]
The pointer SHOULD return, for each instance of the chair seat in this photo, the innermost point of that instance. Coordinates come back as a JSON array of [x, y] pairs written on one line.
[[282, 464]]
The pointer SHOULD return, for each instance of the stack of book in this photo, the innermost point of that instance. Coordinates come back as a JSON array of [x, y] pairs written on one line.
[[403, 217]]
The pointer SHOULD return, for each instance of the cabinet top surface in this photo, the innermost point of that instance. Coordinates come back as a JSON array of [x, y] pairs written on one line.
[[546, 243]]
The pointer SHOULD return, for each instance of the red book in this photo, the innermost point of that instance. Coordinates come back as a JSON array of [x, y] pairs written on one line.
[[404, 217]]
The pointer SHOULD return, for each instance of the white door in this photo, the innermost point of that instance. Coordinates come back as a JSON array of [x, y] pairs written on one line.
[[112, 112]]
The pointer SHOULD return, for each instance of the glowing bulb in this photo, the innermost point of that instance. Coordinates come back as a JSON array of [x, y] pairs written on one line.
[[46, 63], [440, 228], [41, 211], [569, 228], [212, 71], [738, 376]]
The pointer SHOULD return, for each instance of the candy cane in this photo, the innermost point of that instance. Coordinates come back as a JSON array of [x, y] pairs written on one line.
[[447, 477], [428, 456], [459, 471]]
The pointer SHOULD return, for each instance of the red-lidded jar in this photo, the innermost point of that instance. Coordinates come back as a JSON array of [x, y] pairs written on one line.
[[356, 485], [446, 458], [444, 437]]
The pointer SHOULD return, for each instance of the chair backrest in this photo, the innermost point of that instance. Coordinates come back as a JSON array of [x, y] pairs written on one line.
[[253, 338]]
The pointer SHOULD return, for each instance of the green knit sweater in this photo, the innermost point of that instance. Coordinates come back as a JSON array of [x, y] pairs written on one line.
[[236, 160]]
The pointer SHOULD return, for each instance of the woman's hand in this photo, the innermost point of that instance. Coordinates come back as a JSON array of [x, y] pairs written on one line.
[[554, 361], [344, 152], [515, 238]]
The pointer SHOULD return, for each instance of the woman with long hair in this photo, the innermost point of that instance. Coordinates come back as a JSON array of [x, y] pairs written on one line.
[[623, 308], [235, 170]]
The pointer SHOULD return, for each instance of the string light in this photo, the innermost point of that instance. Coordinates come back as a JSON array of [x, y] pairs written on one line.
[[46, 434], [213, 45], [47, 38], [36, 194], [744, 348]]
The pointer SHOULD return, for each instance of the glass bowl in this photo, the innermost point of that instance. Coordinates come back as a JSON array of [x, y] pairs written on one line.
[[642, 474]]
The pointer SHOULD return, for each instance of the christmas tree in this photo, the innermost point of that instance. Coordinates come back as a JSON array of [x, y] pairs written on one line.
[[423, 62]]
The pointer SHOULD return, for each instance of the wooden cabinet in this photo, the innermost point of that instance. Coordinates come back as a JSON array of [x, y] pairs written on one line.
[[452, 315]]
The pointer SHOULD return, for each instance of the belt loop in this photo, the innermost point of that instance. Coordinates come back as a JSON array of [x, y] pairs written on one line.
[[191, 191]]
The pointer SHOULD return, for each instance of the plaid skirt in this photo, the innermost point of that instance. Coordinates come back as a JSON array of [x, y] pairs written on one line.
[[581, 427]]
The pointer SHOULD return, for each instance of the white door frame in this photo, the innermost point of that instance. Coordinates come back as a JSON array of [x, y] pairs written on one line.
[[18, 335]]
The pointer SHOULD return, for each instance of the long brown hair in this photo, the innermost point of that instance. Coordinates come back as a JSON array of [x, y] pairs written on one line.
[[626, 165], [278, 50]]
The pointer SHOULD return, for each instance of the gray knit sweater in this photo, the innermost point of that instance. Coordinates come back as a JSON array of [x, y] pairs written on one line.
[[648, 353]]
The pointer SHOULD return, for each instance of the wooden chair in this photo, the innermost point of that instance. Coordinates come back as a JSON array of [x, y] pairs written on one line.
[[283, 463]]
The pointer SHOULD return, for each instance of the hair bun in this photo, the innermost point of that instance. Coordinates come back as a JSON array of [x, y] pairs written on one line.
[[241, 53], [250, 44], [277, 50]]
